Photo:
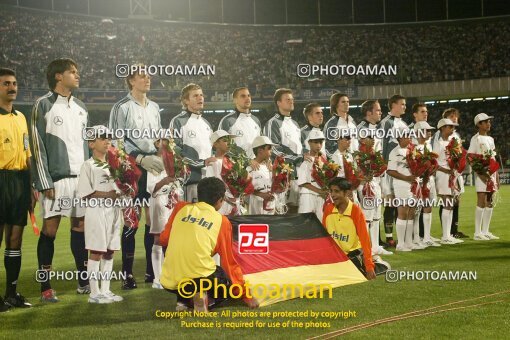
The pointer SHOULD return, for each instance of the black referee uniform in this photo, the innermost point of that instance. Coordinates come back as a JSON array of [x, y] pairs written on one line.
[[15, 193]]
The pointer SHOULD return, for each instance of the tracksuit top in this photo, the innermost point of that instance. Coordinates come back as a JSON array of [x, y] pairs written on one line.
[[192, 134], [129, 114], [243, 125], [390, 123], [56, 139], [337, 122], [285, 132]]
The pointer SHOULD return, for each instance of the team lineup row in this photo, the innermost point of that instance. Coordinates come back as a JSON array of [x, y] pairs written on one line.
[[53, 159]]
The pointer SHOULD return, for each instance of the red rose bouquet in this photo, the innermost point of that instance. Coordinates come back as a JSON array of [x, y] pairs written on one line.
[[175, 167], [485, 165], [422, 165], [456, 158], [370, 164], [352, 174], [282, 173], [323, 171], [237, 179], [125, 174]]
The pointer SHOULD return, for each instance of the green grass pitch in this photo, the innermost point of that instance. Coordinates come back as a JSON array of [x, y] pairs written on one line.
[[486, 317]]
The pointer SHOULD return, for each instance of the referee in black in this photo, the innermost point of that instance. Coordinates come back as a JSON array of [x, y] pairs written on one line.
[[15, 191]]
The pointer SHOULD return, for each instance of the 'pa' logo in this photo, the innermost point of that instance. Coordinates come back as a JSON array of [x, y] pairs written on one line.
[[253, 238]]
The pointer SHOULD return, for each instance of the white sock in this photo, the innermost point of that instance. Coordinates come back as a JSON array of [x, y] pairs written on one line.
[[93, 267], [409, 233], [478, 220], [374, 234], [427, 224], [157, 257], [446, 221], [416, 229], [401, 231], [487, 215], [106, 267]]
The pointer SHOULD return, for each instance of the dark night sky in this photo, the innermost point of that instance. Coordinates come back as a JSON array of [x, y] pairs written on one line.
[[288, 11]]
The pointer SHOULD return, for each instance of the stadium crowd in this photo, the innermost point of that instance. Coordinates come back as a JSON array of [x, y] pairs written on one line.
[[267, 56]]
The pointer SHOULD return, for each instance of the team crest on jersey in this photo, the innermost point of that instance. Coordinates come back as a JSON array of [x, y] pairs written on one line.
[[58, 120], [192, 134]]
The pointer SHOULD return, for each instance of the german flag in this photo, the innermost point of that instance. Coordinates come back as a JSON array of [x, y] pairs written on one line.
[[290, 256]]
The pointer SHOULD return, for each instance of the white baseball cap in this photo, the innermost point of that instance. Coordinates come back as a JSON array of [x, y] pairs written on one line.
[[423, 125], [315, 134], [260, 141], [446, 121], [98, 131], [481, 117], [219, 134]]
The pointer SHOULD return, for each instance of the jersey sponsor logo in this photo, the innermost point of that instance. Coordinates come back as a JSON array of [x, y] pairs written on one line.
[[239, 133], [7, 140], [253, 238], [58, 120], [201, 222], [192, 134], [81, 114], [340, 237]]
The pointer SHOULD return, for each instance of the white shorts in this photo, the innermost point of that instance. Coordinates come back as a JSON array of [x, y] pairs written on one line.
[[481, 186], [191, 193], [226, 208], [442, 187], [311, 203], [103, 228], [432, 187], [370, 211], [159, 213], [402, 189], [65, 192], [387, 185], [293, 193], [256, 206]]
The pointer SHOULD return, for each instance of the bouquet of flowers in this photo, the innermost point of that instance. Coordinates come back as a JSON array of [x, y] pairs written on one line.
[[177, 168], [125, 174], [370, 164], [422, 165], [282, 173], [484, 164], [324, 171], [352, 174], [237, 179], [456, 158]]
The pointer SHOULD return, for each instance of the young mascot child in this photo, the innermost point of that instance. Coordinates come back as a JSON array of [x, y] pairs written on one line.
[[402, 179], [311, 196], [482, 143], [261, 178], [103, 222], [220, 141], [159, 187]]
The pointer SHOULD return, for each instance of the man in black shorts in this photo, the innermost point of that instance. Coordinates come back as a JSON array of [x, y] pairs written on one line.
[[15, 190]]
